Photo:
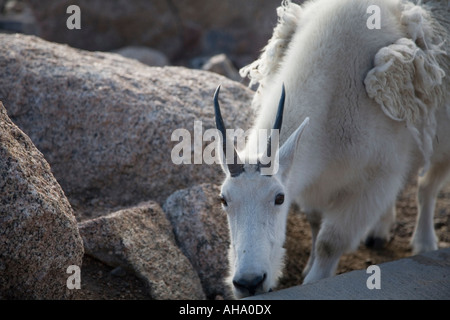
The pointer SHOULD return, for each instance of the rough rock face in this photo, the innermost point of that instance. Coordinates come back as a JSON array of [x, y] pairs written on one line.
[[145, 55], [140, 239], [104, 122], [201, 230], [39, 238], [177, 28]]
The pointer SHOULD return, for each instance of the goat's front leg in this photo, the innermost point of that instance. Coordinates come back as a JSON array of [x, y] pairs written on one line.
[[314, 218], [329, 248], [339, 233]]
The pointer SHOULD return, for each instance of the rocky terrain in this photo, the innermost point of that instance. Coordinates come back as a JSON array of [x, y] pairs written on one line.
[[104, 123], [87, 177]]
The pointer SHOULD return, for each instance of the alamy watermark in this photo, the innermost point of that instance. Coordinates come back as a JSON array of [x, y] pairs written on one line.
[[74, 280], [190, 150], [374, 20], [74, 20], [374, 280]]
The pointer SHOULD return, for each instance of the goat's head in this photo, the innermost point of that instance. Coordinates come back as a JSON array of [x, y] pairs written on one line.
[[257, 204]]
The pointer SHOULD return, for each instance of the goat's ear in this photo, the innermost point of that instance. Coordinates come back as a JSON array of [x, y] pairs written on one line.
[[287, 151]]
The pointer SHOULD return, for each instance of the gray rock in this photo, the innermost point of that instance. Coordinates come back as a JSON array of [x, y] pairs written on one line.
[[104, 122], [145, 55], [140, 239], [39, 238], [201, 230], [221, 64]]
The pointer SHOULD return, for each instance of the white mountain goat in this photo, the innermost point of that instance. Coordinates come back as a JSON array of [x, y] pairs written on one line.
[[378, 105]]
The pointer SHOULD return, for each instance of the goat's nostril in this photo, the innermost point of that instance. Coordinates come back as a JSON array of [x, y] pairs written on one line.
[[250, 284]]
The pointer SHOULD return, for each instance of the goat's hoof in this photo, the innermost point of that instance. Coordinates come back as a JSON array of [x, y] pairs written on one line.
[[375, 243]]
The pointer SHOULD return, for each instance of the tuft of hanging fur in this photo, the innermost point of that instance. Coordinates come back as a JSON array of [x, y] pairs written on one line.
[[406, 80], [266, 66]]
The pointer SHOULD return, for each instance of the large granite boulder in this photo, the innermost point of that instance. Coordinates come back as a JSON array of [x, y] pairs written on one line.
[[104, 122], [40, 246]]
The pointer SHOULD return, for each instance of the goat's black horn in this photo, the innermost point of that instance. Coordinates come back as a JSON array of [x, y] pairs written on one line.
[[279, 118], [277, 124], [219, 120], [235, 168]]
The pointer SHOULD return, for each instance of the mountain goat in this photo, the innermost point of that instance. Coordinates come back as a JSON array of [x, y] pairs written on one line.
[[377, 109]]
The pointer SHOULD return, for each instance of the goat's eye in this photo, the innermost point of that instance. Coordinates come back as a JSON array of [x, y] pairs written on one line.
[[223, 201], [279, 199]]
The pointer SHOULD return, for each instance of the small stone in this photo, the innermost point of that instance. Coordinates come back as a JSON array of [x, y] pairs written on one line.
[[221, 64], [118, 272], [142, 241]]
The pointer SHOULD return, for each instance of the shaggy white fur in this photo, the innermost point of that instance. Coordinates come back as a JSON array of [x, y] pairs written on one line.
[[377, 100], [406, 80]]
